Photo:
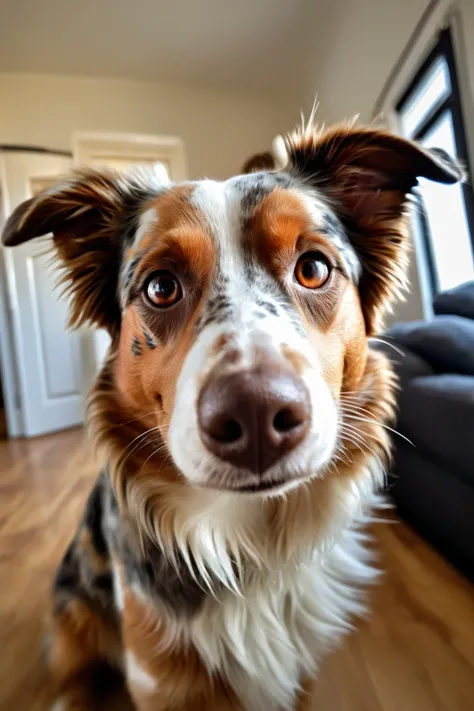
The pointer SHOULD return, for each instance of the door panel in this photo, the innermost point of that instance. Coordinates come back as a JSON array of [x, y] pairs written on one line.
[[55, 348], [49, 358]]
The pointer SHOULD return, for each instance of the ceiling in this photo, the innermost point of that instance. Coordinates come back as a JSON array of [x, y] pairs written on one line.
[[256, 44]]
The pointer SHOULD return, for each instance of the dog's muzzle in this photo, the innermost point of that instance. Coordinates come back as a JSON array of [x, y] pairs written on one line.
[[252, 417]]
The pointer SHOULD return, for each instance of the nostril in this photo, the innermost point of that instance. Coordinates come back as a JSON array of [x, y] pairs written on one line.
[[287, 419], [230, 431]]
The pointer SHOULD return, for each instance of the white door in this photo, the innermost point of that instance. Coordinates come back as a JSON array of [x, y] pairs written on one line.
[[50, 363]]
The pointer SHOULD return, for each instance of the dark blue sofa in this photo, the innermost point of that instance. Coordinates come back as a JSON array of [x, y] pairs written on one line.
[[433, 481]]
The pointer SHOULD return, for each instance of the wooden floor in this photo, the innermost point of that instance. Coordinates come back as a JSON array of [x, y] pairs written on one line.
[[416, 653]]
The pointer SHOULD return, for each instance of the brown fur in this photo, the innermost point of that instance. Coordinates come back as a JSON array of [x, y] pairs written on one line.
[[180, 234], [280, 230], [367, 174], [179, 238], [84, 217], [82, 643], [182, 682]]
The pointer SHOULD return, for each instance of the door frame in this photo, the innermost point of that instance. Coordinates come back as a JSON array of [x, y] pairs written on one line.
[[13, 385], [89, 146], [9, 374]]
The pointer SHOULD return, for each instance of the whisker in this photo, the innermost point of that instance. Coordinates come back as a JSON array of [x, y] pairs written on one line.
[[360, 438], [134, 419], [138, 446], [350, 409], [390, 345], [140, 436], [386, 427], [153, 454]]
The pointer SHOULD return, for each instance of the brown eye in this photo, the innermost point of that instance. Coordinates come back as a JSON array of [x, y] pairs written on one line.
[[312, 270], [163, 289]]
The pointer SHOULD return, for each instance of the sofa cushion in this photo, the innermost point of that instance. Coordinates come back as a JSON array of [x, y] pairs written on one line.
[[458, 301], [446, 342], [437, 414]]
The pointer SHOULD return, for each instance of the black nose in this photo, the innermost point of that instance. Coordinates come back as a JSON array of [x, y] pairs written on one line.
[[253, 417]]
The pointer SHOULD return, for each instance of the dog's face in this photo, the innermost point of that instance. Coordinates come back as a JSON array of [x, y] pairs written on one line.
[[240, 310], [241, 322]]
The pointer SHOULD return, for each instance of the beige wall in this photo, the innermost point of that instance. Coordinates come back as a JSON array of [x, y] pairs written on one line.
[[465, 57], [363, 41], [466, 8], [220, 129], [354, 56]]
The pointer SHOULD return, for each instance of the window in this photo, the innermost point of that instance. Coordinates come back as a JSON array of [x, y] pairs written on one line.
[[430, 113]]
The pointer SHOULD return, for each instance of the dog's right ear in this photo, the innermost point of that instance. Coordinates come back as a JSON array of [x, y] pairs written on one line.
[[90, 215]]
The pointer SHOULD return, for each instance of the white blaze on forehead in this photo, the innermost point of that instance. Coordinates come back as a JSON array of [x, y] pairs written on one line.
[[146, 222], [220, 204]]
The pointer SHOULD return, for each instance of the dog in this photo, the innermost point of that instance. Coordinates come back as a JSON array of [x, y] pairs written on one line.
[[241, 416]]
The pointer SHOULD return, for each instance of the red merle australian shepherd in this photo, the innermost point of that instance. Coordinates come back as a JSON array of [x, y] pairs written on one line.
[[240, 414]]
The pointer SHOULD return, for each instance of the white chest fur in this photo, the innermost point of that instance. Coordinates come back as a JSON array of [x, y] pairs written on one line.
[[266, 639], [266, 625]]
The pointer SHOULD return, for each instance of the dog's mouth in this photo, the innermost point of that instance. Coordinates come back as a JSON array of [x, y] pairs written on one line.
[[260, 486], [274, 486]]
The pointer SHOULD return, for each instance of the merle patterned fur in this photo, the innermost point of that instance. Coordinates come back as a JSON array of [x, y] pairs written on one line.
[[137, 348], [108, 531]]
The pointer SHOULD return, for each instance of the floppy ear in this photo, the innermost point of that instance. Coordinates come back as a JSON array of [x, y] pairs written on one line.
[[367, 175], [90, 215]]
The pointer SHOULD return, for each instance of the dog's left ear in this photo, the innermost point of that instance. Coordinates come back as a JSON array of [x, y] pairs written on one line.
[[91, 215], [259, 162], [367, 175]]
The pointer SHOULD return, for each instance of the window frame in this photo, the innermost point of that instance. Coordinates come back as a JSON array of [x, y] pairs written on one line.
[[452, 104]]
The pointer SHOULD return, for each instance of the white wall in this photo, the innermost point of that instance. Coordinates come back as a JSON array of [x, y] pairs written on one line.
[[220, 129]]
